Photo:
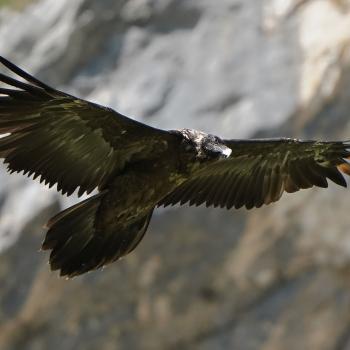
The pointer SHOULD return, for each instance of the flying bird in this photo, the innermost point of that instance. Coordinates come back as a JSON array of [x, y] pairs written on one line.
[[78, 145]]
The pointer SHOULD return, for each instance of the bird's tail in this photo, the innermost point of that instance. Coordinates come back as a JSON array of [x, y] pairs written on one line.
[[78, 247]]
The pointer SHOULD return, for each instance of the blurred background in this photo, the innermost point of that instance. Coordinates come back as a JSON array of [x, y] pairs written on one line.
[[274, 278]]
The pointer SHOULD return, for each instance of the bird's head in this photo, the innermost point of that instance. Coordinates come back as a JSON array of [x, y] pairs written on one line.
[[213, 147], [204, 146]]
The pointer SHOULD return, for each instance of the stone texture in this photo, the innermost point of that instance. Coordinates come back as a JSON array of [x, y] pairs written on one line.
[[274, 278]]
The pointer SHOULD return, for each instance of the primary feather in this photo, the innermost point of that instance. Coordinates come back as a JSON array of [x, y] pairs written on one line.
[[259, 171], [66, 140]]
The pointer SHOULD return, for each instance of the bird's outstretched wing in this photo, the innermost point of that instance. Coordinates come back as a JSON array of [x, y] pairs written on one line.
[[259, 171], [66, 140]]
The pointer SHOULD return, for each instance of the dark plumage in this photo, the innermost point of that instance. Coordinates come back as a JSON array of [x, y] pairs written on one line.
[[80, 145]]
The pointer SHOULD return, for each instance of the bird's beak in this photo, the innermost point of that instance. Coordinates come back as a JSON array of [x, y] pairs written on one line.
[[226, 151]]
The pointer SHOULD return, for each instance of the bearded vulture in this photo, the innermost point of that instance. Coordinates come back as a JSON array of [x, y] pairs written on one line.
[[78, 145]]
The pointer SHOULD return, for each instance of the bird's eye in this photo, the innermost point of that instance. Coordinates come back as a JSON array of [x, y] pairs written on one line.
[[215, 153]]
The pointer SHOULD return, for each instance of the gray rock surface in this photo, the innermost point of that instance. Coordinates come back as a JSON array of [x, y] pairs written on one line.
[[274, 278]]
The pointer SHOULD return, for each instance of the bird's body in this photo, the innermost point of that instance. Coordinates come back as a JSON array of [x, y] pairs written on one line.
[[79, 145], [150, 181]]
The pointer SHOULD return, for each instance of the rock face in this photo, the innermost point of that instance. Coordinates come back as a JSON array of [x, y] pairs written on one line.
[[274, 278]]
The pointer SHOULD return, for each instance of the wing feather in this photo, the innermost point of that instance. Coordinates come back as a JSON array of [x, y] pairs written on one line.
[[65, 140], [259, 171]]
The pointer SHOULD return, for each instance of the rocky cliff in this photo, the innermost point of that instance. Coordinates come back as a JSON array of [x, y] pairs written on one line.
[[274, 278]]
